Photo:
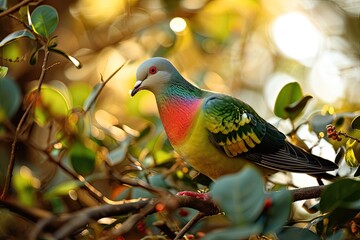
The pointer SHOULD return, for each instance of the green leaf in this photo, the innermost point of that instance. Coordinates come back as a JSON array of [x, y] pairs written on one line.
[[10, 98], [279, 211], [72, 59], [350, 158], [25, 185], [82, 158], [240, 196], [290, 94], [89, 102], [297, 233], [355, 124], [34, 57], [3, 71], [234, 233], [62, 189], [16, 35], [343, 193], [297, 107], [79, 91], [44, 20], [3, 5], [52, 103]]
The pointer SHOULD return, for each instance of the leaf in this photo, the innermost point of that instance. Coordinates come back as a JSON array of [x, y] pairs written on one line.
[[279, 211], [157, 181], [234, 233], [24, 13], [291, 93], [82, 158], [89, 102], [79, 91], [72, 59], [297, 233], [357, 173], [3, 71], [62, 189], [318, 122], [3, 5], [355, 124], [10, 98], [52, 103], [240, 196], [16, 35], [350, 158], [25, 184], [296, 108], [44, 20], [34, 57], [343, 193], [118, 154]]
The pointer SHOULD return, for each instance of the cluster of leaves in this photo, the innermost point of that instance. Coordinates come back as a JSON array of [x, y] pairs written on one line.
[[291, 103], [92, 162]]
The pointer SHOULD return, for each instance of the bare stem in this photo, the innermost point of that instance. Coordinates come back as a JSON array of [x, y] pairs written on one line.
[[21, 123], [18, 6], [102, 85], [189, 225]]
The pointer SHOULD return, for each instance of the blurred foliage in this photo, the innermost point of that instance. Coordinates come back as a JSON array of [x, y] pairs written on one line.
[[69, 126]]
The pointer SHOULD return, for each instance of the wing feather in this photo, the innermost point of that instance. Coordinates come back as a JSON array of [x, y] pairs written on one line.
[[236, 129]]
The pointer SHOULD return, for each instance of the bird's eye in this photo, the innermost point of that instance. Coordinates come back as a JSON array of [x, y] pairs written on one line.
[[153, 70]]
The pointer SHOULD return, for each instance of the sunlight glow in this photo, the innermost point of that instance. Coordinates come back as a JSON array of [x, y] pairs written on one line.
[[296, 36], [178, 24]]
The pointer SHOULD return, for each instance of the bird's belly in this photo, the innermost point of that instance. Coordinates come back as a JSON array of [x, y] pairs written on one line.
[[202, 155]]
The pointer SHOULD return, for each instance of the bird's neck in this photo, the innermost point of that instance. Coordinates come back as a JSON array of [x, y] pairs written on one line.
[[178, 108]]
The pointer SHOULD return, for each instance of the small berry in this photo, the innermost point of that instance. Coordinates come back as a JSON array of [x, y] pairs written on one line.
[[183, 212]]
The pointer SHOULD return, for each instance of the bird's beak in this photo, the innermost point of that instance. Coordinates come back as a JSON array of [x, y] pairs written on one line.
[[136, 88]]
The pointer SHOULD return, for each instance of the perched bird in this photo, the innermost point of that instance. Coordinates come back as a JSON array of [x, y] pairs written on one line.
[[218, 134]]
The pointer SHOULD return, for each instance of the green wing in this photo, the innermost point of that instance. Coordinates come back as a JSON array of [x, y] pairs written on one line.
[[236, 129], [233, 126]]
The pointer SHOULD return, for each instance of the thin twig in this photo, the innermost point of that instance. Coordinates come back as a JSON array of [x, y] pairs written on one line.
[[131, 221], [18, 6], [102, 85], [90, 188], [190, 224], [20, 124]]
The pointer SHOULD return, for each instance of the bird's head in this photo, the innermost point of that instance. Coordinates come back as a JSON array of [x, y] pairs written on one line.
[[153, 75]]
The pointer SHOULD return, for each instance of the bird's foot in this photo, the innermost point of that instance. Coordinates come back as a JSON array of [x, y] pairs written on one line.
[[202, 196]]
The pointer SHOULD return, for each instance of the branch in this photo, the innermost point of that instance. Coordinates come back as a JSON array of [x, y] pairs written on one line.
[[18, 6], [189, 225], [20, 125], [66, 224], [103, 83], [307, 192]]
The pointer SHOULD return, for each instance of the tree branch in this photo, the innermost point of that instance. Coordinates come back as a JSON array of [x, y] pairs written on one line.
[[307, 192], [20, 125], [18, 6], [66, 224]]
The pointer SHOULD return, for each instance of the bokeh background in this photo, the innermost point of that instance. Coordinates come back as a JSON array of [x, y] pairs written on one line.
[[246, 48]]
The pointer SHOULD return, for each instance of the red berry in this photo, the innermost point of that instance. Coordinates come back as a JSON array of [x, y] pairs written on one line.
[[183, 212]]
